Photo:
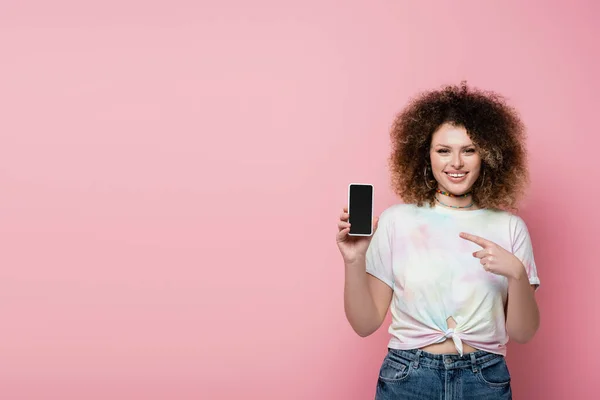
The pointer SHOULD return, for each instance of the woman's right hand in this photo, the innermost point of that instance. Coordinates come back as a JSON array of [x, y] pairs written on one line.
[[353, 248]]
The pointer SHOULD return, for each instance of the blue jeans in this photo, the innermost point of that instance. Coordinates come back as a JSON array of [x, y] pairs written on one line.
[[419, 375]]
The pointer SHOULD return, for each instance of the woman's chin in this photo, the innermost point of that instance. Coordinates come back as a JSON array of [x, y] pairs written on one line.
[[457, 189]]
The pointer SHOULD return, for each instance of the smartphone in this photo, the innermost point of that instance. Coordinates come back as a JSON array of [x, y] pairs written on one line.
[[360, 209]]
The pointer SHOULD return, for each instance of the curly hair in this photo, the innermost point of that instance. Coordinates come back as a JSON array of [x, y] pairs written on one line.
[[493, 126]]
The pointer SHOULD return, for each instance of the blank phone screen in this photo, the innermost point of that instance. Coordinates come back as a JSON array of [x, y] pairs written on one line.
[[360, 209]]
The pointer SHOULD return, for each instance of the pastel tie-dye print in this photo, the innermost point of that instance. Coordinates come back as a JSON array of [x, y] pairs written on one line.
[[417, 251]]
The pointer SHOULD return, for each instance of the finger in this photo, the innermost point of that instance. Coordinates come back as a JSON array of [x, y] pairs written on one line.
[[341, 235], [480, 253], [476, 239], [343, 225], [486, 261], [345, 209], [344, 216]]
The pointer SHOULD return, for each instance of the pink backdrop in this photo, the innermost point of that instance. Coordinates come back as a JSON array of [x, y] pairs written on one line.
[[171, 175]]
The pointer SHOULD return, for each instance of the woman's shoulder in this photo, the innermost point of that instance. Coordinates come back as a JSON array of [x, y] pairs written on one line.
[[504, 219], [399, 210], [506, 215]]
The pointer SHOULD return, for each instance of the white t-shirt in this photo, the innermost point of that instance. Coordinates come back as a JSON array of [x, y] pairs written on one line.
[[418, 252]]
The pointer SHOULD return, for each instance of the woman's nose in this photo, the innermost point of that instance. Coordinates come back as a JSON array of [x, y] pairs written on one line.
[[457, 161]]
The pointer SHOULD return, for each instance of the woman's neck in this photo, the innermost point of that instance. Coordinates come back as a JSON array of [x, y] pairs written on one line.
[[455, 202]]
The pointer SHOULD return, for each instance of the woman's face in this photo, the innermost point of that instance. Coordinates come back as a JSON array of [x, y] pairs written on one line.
[[452, 152]]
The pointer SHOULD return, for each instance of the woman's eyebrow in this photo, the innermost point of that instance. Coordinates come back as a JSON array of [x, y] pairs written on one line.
[[445, 145]]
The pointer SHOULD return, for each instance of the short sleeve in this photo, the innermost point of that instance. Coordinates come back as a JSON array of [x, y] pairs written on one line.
[[379, 253], [523, 249]]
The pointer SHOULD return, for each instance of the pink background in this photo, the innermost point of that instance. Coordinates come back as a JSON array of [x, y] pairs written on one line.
[[171, 175]]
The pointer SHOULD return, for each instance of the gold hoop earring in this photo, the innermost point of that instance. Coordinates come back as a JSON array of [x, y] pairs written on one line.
[[482, 179], [426, 180]]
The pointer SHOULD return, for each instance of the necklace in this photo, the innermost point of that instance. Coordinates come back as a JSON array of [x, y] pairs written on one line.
[[447, 205], [452, 195]]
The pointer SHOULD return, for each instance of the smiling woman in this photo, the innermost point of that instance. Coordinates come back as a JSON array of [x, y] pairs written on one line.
[[460, 124], [453, 264], [455, 164]]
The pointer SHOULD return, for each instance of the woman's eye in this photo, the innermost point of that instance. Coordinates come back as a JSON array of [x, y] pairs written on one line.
[[445, 151]]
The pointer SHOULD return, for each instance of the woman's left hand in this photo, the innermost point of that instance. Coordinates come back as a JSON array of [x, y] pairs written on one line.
[[495, 258]]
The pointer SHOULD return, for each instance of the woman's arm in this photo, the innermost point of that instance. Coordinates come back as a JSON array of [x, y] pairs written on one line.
[[522, 314], [366, 299]]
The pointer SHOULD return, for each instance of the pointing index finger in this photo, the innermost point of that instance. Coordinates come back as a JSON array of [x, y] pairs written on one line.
[[475, 239]]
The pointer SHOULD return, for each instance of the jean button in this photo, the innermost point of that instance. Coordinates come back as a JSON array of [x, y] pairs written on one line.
[[448, 361]]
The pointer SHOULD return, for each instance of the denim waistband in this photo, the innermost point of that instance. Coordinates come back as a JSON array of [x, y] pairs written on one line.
[[474, 360]]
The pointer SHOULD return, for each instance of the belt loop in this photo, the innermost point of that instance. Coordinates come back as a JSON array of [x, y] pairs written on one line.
[[416, 360], [474, 363]]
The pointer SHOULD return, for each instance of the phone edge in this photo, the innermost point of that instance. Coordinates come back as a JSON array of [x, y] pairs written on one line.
[[372, 207]]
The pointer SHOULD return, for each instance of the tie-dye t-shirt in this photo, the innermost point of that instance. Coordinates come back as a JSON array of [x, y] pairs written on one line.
[[418, 252]]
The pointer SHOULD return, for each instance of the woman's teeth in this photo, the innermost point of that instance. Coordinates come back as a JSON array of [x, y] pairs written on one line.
[[456, 178]]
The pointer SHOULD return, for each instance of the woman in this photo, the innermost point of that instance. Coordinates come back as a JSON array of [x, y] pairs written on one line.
[[453, 264]]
